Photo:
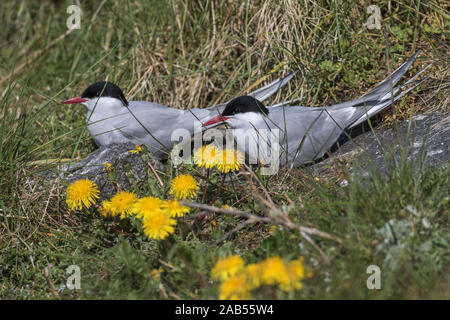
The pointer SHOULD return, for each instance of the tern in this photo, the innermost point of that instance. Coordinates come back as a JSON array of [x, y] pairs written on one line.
[[303, 134], [112, 119]]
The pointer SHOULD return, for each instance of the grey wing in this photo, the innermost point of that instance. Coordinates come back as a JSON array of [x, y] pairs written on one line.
[[305, 133], [151, 125], [203, 115], [261, 94], [384, 86], [384, 103], [379, 97], [382, 90]]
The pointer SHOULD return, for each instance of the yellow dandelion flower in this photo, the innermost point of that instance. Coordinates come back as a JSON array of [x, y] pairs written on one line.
[[254, 272], [174, 208], [206, 156], [146, 206], [235, 288], [81, 192], [229, 160], [184, 186], [273, 230], [108, 167], [122, 203], [157, 272], [105, 209], [296, 273], [137, 150], [227, 267], [158, 225], [274, 271]]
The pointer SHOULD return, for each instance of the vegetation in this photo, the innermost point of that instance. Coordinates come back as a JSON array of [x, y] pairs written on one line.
[[196, 54]]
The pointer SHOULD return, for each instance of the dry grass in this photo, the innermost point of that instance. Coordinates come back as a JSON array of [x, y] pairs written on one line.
[[187, 54], [212, 51]]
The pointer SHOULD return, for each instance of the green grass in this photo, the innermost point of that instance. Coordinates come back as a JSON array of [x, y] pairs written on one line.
[[194, 54]]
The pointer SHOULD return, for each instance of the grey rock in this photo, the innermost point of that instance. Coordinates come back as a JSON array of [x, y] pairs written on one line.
[[425, 136], [128, 168]]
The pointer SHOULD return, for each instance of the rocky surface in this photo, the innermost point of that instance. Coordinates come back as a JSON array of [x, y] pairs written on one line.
[[127, 168], [424, 135]]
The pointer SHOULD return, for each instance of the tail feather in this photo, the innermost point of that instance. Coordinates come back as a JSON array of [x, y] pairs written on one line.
[[379, 97], [385, 103], [263, 93], [373, 95], [388, 95], [385, 85], [280, 104]]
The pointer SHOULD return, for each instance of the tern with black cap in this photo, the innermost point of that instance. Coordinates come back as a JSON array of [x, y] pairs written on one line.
[[112, 119], [305, 133]]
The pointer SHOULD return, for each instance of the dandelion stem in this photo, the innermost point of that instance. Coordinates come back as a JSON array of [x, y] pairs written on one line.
[[206, 186], [218, 190]]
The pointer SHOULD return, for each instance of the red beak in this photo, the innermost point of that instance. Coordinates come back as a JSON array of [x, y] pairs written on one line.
[[74, 100], [219, 118]]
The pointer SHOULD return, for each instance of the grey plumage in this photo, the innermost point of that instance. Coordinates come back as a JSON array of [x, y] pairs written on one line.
[[305, 133], [111, 119]]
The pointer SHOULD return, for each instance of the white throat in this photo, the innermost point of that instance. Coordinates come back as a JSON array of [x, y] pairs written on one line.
[[102, 116], [103, 108], [253, 135], [247, 120]]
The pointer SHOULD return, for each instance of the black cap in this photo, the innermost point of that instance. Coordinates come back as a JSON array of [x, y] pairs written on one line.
[[244, 104], [104, 89]]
